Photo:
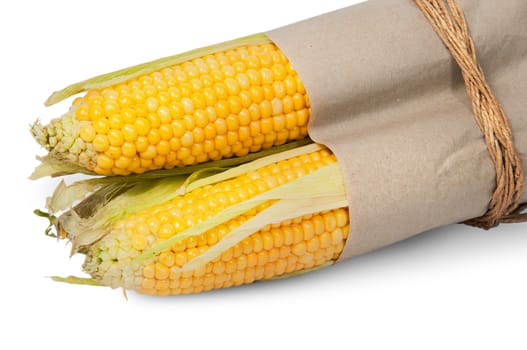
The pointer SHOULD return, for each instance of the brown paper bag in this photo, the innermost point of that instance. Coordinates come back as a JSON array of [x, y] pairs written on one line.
[[388, 99]]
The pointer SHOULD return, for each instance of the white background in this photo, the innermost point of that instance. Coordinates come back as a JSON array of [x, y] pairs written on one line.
[[452, 288]]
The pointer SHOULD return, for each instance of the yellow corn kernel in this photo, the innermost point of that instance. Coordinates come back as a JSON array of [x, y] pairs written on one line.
[[83, 111], [88, 133], [115, 137], [105, 162]]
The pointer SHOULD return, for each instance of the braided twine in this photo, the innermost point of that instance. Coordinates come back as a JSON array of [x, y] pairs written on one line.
[[448, 20]]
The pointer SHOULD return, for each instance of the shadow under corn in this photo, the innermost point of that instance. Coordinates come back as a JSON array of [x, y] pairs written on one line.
[[443, 250]]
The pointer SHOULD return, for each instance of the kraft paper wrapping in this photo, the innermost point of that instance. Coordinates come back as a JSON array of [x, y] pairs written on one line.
[[388, 99]]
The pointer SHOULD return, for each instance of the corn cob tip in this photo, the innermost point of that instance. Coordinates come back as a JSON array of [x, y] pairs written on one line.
[[67, 151]]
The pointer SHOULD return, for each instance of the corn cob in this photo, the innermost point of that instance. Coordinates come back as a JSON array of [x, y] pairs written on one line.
[[148, 251], [221, 104]]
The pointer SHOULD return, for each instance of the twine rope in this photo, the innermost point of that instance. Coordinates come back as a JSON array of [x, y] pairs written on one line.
[[448, 20]]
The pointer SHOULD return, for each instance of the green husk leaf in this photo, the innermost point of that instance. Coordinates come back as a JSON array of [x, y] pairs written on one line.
[[92, 218], [325, 182], [77, 280], [54, 167], [65, 195], [248, 167], [199, 175], [148, 67], [284, 209], [99, 199]]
